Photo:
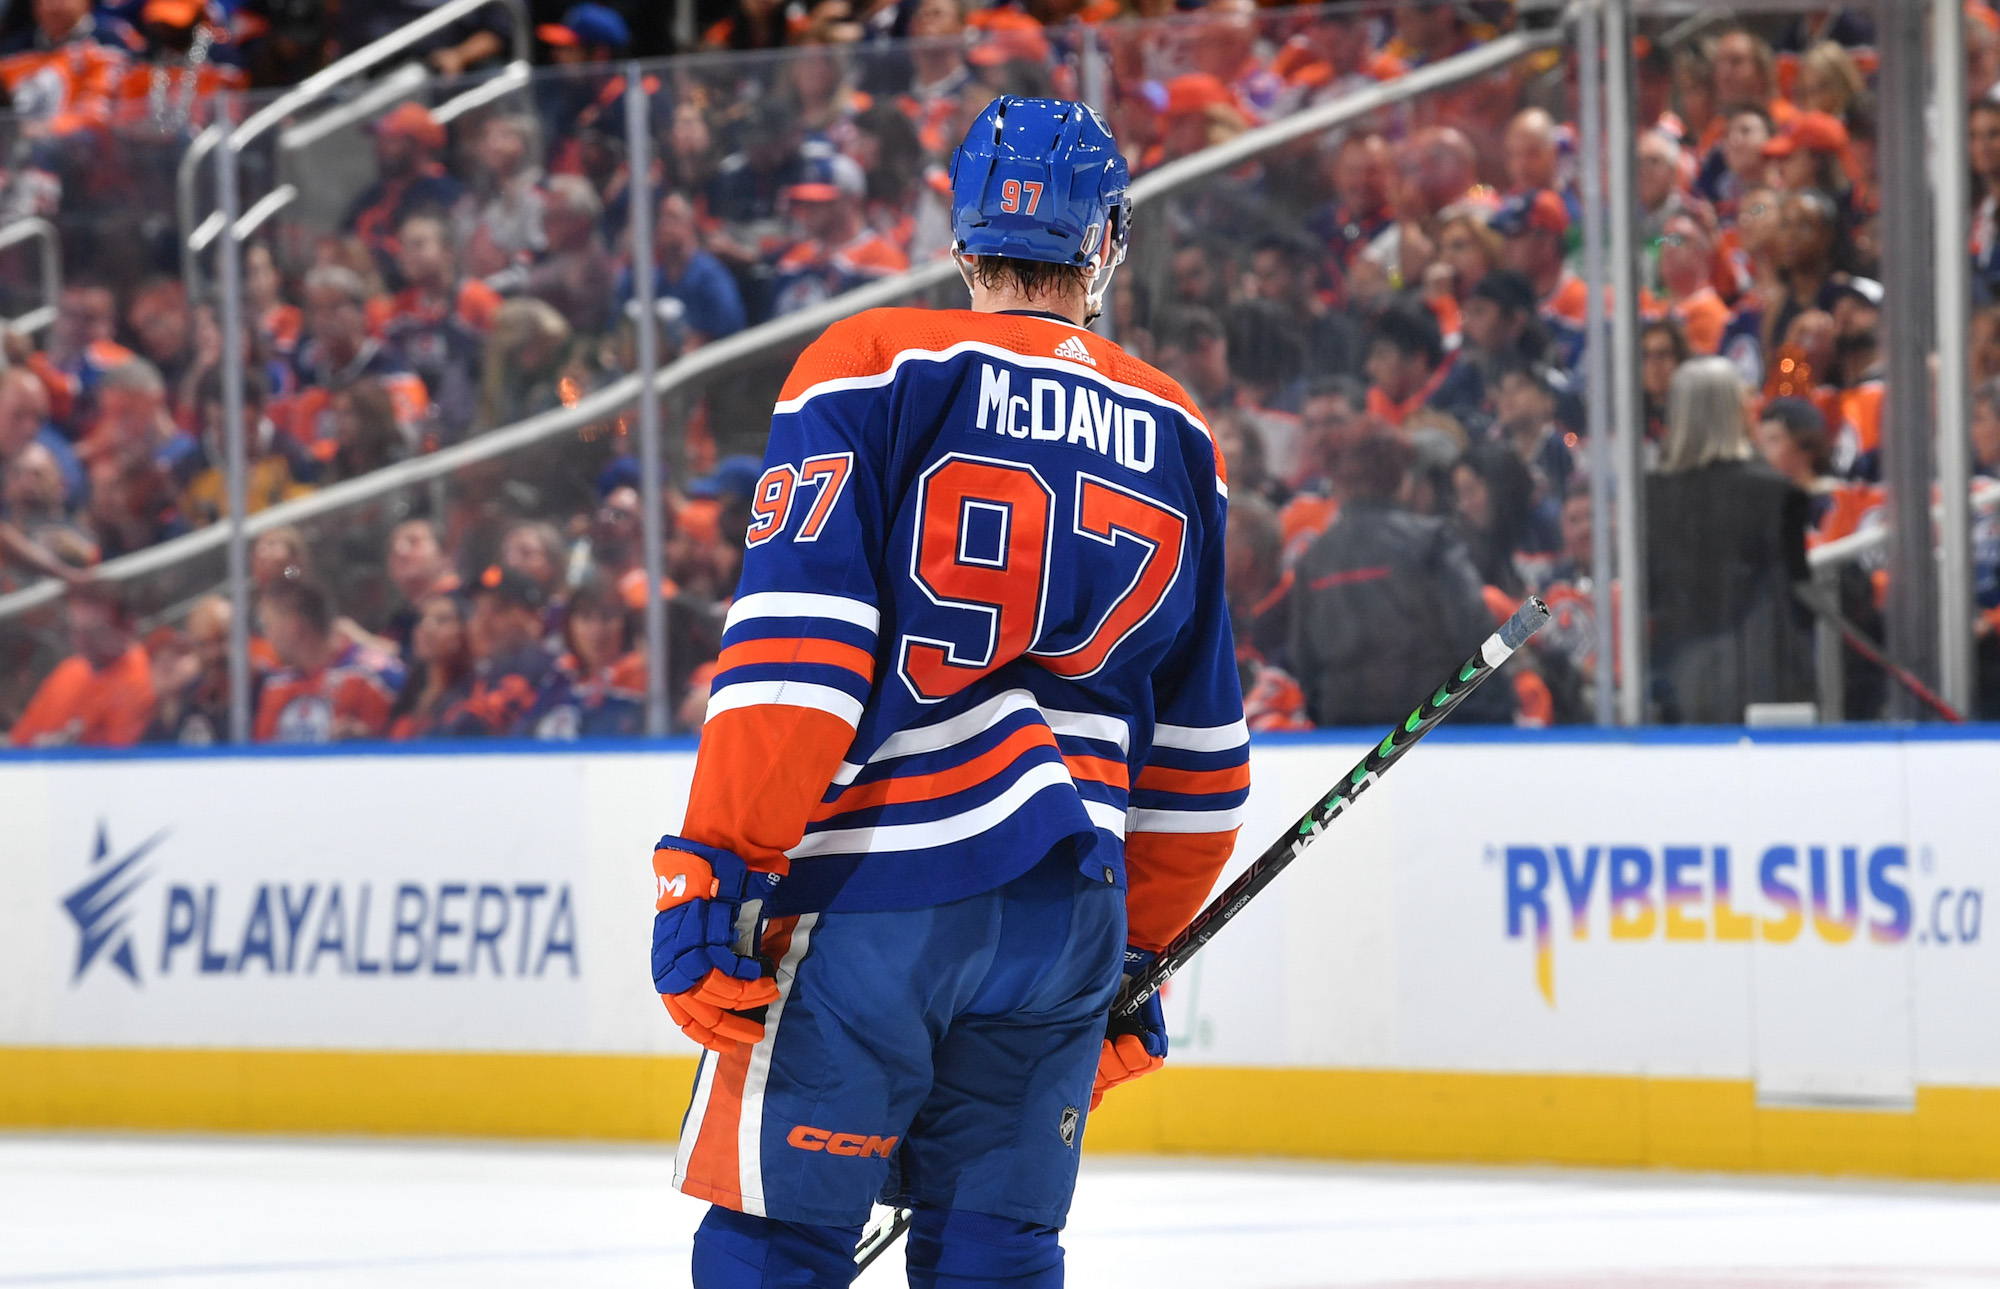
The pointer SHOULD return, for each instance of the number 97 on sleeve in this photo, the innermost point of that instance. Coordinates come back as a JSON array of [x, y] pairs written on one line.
[[771, 503]]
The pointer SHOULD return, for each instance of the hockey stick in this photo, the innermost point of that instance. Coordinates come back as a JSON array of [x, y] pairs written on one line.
[[1822, 603], [1499, 646]]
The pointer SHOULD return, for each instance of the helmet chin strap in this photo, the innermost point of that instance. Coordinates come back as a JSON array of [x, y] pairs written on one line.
[[1100, 286]]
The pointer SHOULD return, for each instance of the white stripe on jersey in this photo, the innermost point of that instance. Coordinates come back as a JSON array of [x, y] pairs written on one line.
[[784, 693], [1183, 820], [704, 1083], [800, 604], [750, 1126], [936, 832], [974, 721], [1090, 725], [1106, 816], [842, 384], [1201, 738], [967, 725]]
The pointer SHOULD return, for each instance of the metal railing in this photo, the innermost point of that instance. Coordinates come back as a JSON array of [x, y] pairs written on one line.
[[23, 230], [197, 236]]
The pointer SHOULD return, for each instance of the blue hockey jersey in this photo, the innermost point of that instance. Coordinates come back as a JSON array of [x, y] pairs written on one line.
[[981, 617]]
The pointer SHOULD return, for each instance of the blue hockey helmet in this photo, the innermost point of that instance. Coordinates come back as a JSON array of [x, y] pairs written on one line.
[[1040, 179]]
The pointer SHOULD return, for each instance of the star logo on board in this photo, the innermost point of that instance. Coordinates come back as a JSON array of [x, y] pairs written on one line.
[[100, 906], [1074, 350]]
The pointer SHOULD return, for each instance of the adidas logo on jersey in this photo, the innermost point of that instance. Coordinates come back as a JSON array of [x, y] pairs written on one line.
[[1074, 350]]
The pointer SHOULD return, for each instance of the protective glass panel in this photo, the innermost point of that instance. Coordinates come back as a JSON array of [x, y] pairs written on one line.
[[426, 263]]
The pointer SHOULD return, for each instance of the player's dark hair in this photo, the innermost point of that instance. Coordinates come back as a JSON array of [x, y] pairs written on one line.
[[304, 600], [1029, 277], [1410, 329]]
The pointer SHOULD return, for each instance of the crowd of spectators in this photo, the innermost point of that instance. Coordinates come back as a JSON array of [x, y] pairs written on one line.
[[1384, 327]]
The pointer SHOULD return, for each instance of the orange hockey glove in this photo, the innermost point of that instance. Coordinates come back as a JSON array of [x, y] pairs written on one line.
[[704, 943], [1135, 1044]]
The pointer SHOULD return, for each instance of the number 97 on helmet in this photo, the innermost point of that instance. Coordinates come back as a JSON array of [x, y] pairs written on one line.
[[1042, 179]]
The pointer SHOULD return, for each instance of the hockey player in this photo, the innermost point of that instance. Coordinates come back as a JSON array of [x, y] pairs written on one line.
[[975, 744]]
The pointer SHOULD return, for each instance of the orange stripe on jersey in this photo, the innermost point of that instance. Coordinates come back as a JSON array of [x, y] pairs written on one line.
[[1157, 778], [869, 343], [715, 1166], [798, 649], [714, 1171], [1168, 875], [1099, 769], [929, 787]]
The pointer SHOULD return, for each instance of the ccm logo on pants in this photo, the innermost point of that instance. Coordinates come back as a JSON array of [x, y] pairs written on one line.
[[841, 1143]]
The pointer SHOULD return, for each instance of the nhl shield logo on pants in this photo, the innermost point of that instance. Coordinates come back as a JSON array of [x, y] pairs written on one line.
[[1068, 1125]]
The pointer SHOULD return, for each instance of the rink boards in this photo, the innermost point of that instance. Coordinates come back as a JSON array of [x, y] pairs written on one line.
[[1699, 950]]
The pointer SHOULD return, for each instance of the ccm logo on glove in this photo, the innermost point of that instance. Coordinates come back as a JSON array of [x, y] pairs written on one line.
[[841, 1143]]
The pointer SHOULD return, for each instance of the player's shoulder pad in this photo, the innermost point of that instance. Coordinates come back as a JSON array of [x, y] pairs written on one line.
[[1128, 370], [864, 350], [853, 349]]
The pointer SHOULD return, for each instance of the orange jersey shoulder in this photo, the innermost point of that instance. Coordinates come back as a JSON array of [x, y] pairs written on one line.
[[869, 345]]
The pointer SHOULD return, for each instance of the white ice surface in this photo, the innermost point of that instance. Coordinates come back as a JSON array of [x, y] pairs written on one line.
[[120, 1211]]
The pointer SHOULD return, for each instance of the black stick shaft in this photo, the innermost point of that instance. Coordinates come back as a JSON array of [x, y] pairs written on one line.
[[1499, 646]]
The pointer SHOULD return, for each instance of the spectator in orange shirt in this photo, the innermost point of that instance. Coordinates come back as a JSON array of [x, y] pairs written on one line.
[[103, 695], [185, 67], [325, 690], [1687, 261], [61, 76]]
